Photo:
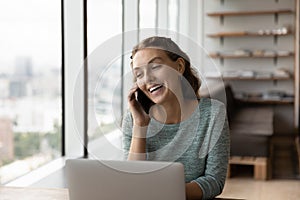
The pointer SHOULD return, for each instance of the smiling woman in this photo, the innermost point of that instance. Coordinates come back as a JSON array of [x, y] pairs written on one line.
[[179, 125]]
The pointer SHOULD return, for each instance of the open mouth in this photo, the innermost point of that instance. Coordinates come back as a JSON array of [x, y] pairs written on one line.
[[154, 88]]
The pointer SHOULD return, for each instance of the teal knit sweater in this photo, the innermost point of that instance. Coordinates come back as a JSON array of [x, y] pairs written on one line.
[[200, 143]]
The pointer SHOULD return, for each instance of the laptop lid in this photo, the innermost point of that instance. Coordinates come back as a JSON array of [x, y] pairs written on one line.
[[134, 180]]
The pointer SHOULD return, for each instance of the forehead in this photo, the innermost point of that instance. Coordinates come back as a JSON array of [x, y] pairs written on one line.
[[144, 56]]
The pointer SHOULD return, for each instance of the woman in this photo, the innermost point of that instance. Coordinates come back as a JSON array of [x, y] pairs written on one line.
[[168, 121]]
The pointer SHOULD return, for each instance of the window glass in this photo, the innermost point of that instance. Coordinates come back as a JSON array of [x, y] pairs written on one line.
[[147, 13], [104, 28], [173, 17], [30, 85], [104, 21]]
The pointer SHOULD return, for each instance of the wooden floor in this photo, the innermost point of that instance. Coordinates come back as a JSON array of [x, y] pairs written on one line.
[[248, 188], [285, 158], [285, 181]]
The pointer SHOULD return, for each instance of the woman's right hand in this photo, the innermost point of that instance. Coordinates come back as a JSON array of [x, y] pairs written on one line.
[[141, 120], [140, 117]]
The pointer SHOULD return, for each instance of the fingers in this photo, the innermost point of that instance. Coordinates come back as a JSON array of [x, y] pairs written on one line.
[[138, 113], [132, 91]]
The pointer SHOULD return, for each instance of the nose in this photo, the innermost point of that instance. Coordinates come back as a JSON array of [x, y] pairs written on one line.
[[149, 78]]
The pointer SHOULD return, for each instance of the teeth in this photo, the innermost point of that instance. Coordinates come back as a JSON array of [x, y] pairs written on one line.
[[155, 88]]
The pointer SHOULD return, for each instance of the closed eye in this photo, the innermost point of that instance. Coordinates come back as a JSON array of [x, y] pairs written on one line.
[[139, 75], [156, 66]]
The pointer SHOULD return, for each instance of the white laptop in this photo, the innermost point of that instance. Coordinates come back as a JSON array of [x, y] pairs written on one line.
[[124, 180]]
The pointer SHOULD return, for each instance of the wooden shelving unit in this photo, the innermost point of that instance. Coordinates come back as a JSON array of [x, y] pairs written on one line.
[[214, 55], [244, 34], [265, 101], [257, 79], [252, 78], [243, 13], [261, 165], [273, 26]]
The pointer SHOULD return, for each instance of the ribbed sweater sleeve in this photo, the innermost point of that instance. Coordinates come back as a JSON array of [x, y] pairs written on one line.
[[213, 180]]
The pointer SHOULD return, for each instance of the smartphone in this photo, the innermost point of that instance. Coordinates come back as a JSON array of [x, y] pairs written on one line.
[[144, 101]]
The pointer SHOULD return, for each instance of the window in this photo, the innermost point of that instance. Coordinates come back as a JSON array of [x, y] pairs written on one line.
[[109, 77], [30, 85], [173, 15], [147, 13], [104, 27]]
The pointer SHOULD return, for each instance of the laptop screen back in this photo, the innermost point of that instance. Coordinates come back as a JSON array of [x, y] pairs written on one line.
[[134, 180]]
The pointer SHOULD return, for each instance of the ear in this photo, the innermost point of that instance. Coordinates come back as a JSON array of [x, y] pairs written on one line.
[[181, 65]]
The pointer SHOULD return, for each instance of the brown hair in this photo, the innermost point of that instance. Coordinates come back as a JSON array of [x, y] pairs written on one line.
[[173, 52]]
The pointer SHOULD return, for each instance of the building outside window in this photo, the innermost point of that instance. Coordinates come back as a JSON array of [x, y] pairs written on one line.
[[30, 86]]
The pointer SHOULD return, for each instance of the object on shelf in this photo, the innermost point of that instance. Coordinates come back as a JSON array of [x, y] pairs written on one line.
[[265, 97], [244, 53], [239, 74], [276, 95], [261, 32], [269, 53], [244, 95], [279, 31], [247, 74], [231, 74], [236, 53], [272, 95], [258, 52], [263, 75], [283, 53], [259, 75], [281, 73]]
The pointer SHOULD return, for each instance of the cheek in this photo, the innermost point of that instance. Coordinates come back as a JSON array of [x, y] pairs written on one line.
[[173, 82], [141, 85], [170, 76], [140, 82]]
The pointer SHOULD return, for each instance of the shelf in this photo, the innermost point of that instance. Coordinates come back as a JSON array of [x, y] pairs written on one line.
[[256, 79], [252, 78], [213, 55], [244, 13], [266, 101], [243, 34], [257, 66]]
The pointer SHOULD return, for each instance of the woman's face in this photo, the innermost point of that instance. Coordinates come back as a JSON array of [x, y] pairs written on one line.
[[157, 75]]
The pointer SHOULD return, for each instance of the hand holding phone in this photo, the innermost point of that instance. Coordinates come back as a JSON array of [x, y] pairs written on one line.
[[145, 102], [139, 105]]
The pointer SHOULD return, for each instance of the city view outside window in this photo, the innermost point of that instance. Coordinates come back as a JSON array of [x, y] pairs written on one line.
[[30, 85]]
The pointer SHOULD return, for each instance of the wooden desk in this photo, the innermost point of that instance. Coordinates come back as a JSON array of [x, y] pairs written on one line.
[[28, 193], [15, 193]]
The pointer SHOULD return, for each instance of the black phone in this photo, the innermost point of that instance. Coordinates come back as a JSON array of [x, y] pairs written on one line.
[[144, 100]]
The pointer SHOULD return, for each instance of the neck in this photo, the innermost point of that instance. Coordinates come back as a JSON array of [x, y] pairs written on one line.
[[175, 112]]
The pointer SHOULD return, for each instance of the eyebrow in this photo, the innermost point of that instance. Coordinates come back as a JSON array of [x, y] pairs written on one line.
[[151, 61], [155, 58]]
